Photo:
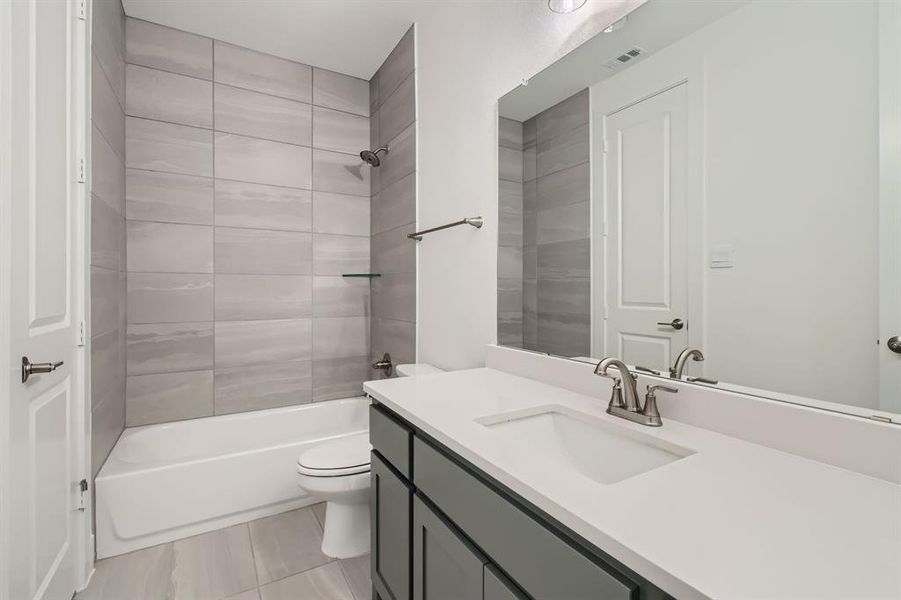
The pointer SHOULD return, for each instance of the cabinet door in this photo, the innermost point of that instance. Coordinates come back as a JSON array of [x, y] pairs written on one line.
[[445, 566], [390, 506], [498, 587]]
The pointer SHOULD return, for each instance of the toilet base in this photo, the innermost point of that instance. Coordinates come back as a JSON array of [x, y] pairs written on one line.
[[346, 530]]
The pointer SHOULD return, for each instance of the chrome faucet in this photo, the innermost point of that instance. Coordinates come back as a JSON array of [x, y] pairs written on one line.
[[675, 371], [624, 396]]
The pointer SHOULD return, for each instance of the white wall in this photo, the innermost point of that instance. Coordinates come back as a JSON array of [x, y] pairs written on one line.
[[468, 55], [786, 101]]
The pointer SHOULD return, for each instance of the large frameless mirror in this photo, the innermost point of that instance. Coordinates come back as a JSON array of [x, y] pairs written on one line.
[[720, 176]]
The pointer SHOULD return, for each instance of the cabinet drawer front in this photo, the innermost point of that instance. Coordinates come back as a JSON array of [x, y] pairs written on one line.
[[498, 588], [541, 563], [391, 438], [445, 566], [390, 507]]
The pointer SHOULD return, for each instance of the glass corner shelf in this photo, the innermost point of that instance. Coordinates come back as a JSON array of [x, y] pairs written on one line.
[[366, 275]]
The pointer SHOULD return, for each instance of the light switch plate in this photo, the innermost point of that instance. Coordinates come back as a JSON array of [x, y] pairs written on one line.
[[722, 257]]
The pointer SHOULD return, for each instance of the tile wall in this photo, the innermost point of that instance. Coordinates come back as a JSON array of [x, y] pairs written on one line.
[[107, 323], [553, 251], [393, 191], [245, 201]]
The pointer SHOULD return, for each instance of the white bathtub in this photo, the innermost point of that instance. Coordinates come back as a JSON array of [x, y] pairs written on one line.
[[172, 480]]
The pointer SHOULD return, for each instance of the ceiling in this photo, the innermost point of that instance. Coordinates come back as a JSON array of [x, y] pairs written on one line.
[[349, 36]]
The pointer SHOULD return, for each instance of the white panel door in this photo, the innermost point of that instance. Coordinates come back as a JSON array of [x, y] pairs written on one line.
[[45, 134], [645, 195]]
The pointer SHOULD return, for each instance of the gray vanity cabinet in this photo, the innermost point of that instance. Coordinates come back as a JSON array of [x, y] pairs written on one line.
[[497, 587], [392, 503], [445, 566]]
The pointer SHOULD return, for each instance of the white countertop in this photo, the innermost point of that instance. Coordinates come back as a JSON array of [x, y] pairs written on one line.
[[733, 520]]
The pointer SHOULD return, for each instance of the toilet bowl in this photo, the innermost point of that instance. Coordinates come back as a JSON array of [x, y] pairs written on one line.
[[337, 472]]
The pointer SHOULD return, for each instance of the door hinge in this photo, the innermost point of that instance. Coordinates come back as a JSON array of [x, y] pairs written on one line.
[[82, 494], [81, 171], [81, 335], [82, 10]]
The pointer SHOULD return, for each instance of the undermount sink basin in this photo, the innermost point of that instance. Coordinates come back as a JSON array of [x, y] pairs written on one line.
[[601, 451]]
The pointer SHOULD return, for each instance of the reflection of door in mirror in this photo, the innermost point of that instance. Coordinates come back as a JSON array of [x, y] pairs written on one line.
[[644, 187]]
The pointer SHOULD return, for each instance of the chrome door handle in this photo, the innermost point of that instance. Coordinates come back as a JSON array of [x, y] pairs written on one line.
[[676, 324], [29, 368], [894, 344]]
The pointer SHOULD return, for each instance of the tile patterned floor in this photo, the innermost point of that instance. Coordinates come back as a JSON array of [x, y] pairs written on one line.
[[274, 558]]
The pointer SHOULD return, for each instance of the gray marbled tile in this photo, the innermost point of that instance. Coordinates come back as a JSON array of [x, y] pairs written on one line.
[[530, 228], [564, 335], [240, 204], [169, 248], [399, 109], [509, 296], [262, 161], [107, 422], [239, 389], [396, 337], [341, 92], [340, 377], [107, 235], [169, 347], [249, 297], [108, 43], [563, 117], [509, 330], [287, 543], [337, 254], [253, 70], [510, 214], [374, 94], [530, 296], [340, 337], [107, 373], [155, 94], [399, 64], [169, 297], [262, 252], [340, 173], [394, 296], [530, 163], [374, 138], [140, 574], [570, 296], [509, 133], [565, 259], [340, 214], [158, 146], [393, 251], [105, 299], [509, 262], [260, 115], [569, 186], [166, 397], [563, 224], [529, 196], [566, 150], [107, 173], [336, 296], [395, 205], [400, 160], [530, 262], [168, 197], [510, 164], [106, 112], [240, 343], [169, 49], [322, 583], [530, 133], [356, 571], [213, 565], [339, 131]]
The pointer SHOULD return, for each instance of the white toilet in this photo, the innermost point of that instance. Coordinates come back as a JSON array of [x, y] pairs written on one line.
[[337, 472]]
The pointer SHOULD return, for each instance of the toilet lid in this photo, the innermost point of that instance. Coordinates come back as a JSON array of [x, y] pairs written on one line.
[[343, 456]]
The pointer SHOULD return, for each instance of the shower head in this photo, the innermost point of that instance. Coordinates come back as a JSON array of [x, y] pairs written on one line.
[[371, 157]]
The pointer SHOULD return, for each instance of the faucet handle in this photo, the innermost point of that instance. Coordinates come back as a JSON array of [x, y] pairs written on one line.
[[650, 403], [616, 394]]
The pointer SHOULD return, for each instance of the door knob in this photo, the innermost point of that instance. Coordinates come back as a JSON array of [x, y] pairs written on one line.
[[894, 344], [676, 324], [29, 368]]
